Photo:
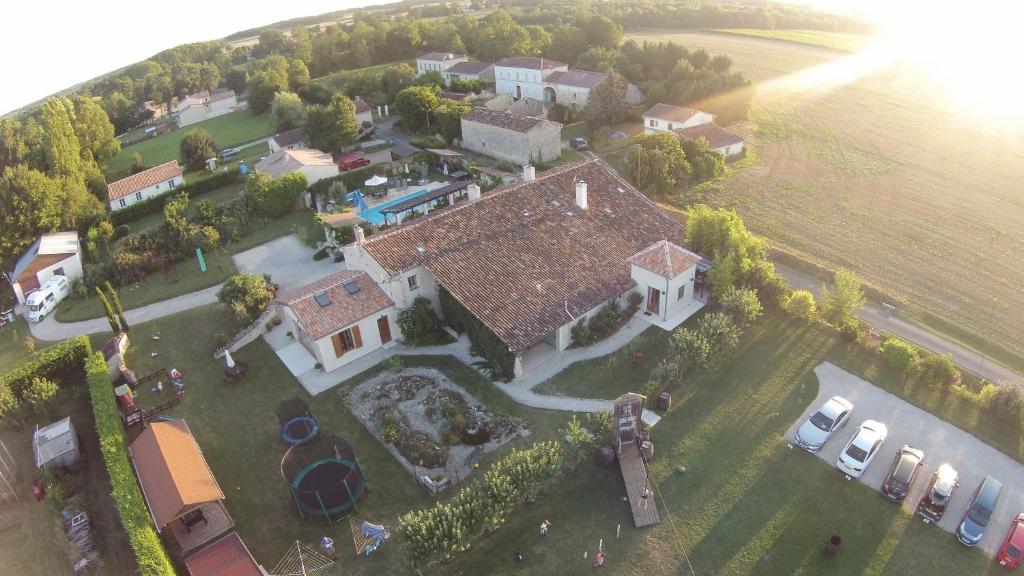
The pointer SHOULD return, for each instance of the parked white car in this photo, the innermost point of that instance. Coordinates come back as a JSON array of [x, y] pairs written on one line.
[[832, 416], [862, 448]]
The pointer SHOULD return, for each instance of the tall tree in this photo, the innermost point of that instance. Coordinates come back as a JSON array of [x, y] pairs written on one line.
[[108, 311], [63, 151], [115, 304], [414, 104], [601, 31], [94, 130], [657, 162], [330, 128], [196, 148], [298, 74], [606, 105], [31, 203], [845, 298], [287, 111], [448, 115], [12, 143]]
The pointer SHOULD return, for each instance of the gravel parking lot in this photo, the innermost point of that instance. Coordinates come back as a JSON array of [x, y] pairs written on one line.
[[940, 441]]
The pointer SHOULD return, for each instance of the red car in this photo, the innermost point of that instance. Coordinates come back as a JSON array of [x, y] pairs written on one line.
[[352, 161], [1013, 548]]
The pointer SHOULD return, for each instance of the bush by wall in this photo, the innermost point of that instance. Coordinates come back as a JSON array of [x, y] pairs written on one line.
[[61, 363], [1005, 401], [149, 551], [486, 343], [898, 354], [937, 369], [606, 322], [155, 204], [419, 322]]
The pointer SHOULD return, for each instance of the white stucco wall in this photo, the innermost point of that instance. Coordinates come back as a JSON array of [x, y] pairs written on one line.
[[661, 124], [370, 335], [366, 116], [565, 331], [72, 266], [221, 107], [571, 96], [424, 66], [531, 82], [316, 173], [730, 150], [669, 301], [149, 192]]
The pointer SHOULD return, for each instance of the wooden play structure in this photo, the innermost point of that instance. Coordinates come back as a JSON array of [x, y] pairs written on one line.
[[627, 411]]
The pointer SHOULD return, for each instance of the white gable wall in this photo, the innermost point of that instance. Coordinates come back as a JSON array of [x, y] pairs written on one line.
[[653, 124], [669, 300], [146, 193]]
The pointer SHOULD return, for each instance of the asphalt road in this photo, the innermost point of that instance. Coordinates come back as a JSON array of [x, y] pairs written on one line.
[[940, 441]]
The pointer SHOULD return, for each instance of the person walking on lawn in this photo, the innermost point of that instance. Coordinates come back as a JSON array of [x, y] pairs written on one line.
[[544, 525]]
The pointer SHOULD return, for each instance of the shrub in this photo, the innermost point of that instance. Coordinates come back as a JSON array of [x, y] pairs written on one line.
[[247, 295], [276, 198], [843, 299], [485, 343], [741, 304], [937, 369], [600, 326], [150, 555], [61, 363], [1005, 401], [898, 354], [700, 347], [419, 322], [121, 231], [852, 330], [40, 395], [634, 299], [800, 304]]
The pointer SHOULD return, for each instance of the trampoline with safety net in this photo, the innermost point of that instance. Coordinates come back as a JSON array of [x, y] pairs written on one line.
[[324, 476], [298, 425]]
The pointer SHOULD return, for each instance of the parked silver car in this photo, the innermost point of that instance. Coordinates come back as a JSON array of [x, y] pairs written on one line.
[[832, 416]]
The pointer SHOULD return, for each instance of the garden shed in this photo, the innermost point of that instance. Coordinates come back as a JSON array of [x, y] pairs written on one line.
[[55, 445]]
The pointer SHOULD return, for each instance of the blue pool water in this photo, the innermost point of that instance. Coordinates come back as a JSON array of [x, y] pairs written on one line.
[[373, 215]]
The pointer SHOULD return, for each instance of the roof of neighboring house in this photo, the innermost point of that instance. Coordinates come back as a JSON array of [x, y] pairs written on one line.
[[343, 306], [469, 68], [289, 138], [403, 150], [531, 62], [716, 136], [146, 178], [221, 95], [665, 259], [524, 259], [580, 78], [226, 557], [361, 106], [670, 112], [457, 96], [440, 56], [286, 161], [199, 95], [172, 471], [506, 120]]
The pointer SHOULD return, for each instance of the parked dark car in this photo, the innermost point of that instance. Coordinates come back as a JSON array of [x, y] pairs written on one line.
[[902, 474], [983, 504], [933, 504], [579, 144], [352, 161]]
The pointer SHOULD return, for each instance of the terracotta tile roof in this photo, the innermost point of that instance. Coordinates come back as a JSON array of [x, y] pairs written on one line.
[[716, 136], [524, 258], [506, 120], [361, 106], [670, 112], [289, 138], [144, 179], [531, 62], [440, 56], [226, 557], [344, 308], [579, 78], [665, 259], [469, 68], [172, 471]]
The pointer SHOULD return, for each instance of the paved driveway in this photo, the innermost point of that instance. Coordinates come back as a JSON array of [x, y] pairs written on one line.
[[288, 261], [940, 440]]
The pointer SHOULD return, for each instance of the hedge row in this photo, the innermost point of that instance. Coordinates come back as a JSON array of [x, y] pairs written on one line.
[[485, 343], [61, 363], [155, 204], [149, 551]]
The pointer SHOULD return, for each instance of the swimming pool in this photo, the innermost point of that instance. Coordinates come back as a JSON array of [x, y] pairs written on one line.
[[373, 215]]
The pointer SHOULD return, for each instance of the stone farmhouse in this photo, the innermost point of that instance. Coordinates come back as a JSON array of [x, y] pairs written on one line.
[[528, 260], [507, 136], [204, 105], [143, 185]]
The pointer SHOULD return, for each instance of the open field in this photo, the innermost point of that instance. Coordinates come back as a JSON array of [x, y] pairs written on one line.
[[918, 197], [338, 80], [227, 131], [836, 40]]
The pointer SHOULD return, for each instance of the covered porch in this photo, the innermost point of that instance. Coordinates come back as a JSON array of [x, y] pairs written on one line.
[[198, 526]]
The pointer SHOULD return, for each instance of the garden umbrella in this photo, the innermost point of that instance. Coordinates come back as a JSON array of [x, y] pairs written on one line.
[[376, 181]]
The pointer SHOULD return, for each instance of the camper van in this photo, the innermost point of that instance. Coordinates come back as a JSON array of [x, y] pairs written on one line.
[[45, 299]]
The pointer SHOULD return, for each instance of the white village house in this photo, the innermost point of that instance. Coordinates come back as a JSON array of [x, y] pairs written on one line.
[[507, 136], [529, 261], [57, 254], [203, 105], [314, 164], [339, 318], [668, 118], [719, 139], [438, 62], [292, 140], [144, 185], [550, 82], [469, 71]]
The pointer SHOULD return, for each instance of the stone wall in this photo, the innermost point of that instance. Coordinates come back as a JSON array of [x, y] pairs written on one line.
[[542, 144], [247, 334]]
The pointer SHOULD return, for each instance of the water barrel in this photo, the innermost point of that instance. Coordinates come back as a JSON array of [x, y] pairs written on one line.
[[835, 542], [647, 449], [664, 401]]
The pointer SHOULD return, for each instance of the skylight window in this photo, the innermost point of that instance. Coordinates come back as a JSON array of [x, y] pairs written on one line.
[[421, 249], [556, 203], [608, 211], [351, 286], [322, 299]]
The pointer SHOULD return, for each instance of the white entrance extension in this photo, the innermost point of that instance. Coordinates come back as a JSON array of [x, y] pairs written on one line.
[[667, 277]]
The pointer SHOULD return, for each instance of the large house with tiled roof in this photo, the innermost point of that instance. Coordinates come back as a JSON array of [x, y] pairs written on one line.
[[719, 139], [511, 137], [547, 80], [438, 62], [668, 118], [204, 105], [143, 185], [533, 259]]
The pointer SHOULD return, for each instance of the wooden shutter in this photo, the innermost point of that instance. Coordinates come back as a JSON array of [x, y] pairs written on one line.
[[338, 350], [356, 337]]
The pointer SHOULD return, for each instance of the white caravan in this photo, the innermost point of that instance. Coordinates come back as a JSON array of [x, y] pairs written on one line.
[[45, 299]]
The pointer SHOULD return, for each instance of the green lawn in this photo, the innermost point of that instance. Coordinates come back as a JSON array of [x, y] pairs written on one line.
[[338, 80], [12, 344], [217, 196], [238, 433], [835, 40], [227, 131]]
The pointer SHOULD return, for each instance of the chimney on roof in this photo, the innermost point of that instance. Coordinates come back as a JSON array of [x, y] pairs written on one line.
[[360, 235], [529, 172], [473, 191], [581, 194]]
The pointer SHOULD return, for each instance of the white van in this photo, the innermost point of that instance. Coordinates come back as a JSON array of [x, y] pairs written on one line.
[[45, 299]]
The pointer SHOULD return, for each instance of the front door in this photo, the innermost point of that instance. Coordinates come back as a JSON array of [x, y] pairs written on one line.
[[385, 329], [519, 92], [653, 300]]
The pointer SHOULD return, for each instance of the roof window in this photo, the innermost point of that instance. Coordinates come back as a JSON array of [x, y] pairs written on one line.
[[351, 286], [322, 299]]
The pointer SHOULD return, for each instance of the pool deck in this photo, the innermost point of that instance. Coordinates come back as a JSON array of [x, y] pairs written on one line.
[[394, 197]]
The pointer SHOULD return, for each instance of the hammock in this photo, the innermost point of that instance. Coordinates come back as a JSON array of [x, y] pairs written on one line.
[[368, 537], [301, 560]]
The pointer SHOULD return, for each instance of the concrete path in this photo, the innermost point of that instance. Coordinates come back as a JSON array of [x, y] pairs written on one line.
[[886, 321], [941, 442]]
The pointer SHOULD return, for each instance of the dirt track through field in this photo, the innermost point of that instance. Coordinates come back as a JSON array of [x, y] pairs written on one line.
[[921, 197]]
